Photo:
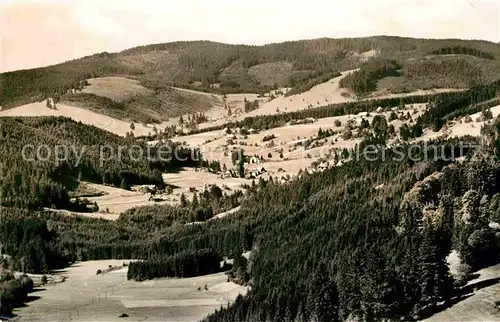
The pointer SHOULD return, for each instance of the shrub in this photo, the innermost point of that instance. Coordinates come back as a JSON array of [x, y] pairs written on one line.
[[268, 137], [487, 114], [393, 116]]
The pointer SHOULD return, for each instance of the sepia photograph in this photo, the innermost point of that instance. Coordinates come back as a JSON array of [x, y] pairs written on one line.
[[231, 160]]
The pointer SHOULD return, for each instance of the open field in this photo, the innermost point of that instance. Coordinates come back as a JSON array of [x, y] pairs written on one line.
[[369, 54], [130, 99], [80, 115], [226, 213], [224, 109], [85, 296], [114, 201], [119, 89], [325, 94]]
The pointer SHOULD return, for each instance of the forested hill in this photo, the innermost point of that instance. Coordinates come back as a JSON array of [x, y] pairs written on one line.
[[43, 157], [223, 68], [365, 241]]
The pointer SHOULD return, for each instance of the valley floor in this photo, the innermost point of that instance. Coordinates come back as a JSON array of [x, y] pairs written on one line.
[[85, 296]]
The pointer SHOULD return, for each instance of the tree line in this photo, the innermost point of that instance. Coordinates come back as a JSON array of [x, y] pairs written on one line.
[[107, 106], [203, 206], [365, 79], [185, 264], [14, 292], [30, 244], [444, 72], [462, 50]]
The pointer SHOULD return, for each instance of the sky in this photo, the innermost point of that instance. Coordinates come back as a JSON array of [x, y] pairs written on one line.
[[37, 33]]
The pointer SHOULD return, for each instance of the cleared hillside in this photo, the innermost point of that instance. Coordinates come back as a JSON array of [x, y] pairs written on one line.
[[128, 100]]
